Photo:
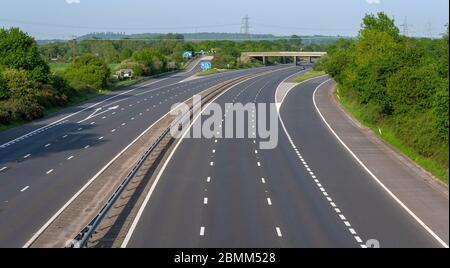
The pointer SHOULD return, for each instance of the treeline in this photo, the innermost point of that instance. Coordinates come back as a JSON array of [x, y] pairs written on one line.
[[28, 88], [398, 83], [171, 46]]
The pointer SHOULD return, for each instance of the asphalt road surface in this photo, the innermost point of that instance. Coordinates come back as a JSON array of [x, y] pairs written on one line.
[[219, 192], [306, 192], [43, 163]]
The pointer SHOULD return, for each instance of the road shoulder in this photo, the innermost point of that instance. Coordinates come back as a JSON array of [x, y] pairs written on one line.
[[418, 190]]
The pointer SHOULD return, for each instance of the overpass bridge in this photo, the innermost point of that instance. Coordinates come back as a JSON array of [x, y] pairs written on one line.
[[246, 56]]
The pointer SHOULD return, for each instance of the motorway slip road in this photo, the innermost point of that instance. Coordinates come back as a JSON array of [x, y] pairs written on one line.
[[44, 163], [306, 192]]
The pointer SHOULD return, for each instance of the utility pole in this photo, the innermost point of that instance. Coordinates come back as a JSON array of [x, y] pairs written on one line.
[[245, 26], [405, 26], [74, 49]]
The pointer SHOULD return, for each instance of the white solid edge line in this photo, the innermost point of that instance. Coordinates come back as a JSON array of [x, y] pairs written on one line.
[[428, 229], [414, 216], [161, 171], [42, 229]]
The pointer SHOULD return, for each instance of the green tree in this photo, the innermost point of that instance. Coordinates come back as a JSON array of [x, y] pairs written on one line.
[[18, 83], [398, 83], [380, 23], [153, 60], [3, 89], [125, 53], [88, 71], [19, 51]]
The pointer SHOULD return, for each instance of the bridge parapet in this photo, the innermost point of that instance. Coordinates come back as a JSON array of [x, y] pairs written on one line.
[[245, 56]]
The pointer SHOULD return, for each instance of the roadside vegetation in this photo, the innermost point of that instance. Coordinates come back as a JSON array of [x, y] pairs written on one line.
[[211, 71], [398, 86]]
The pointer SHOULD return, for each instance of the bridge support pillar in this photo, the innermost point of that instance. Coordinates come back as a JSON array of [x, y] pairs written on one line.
[[264, 60], [295, 60]]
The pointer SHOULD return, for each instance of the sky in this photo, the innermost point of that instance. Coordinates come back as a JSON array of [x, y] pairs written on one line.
[[62, 19]]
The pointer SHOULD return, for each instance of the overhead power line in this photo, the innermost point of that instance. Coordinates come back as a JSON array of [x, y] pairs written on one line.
[[113, 28], [304, 28]]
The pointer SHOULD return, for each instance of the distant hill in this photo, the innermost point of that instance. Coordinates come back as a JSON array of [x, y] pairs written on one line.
[[316, 39]]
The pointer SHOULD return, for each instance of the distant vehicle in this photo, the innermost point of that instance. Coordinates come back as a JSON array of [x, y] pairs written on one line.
[[123, 74]]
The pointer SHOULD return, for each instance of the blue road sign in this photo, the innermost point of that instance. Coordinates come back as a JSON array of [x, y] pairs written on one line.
[[187, 54], [205, 65]]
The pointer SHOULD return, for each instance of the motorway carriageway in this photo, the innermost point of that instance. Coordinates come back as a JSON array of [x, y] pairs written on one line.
[[43, 164], [306, 192]]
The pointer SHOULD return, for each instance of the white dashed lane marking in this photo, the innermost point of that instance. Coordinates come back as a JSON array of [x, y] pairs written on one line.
[[205, 200], [70, 157], [202, 231], [50, 171], [278, 231], [3, 168], [323, 191], [269, 201], [26, 156], [47, 145], [25, 188]]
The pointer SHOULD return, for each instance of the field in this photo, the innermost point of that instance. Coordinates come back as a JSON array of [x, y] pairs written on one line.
[[60, 67]]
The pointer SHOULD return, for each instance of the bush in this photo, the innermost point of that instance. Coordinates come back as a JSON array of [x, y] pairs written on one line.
[[88, 71], [5, 115], [18, 83], [440, 110], [24, 109], [60, 85], [396, 83], [126, 53], [47, 97], [154, 61], [139, 69], [3, 89]]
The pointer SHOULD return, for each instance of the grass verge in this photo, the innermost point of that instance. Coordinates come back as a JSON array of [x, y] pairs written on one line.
[[58, 67], [308, 75], [211, 71], [385, 132]]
